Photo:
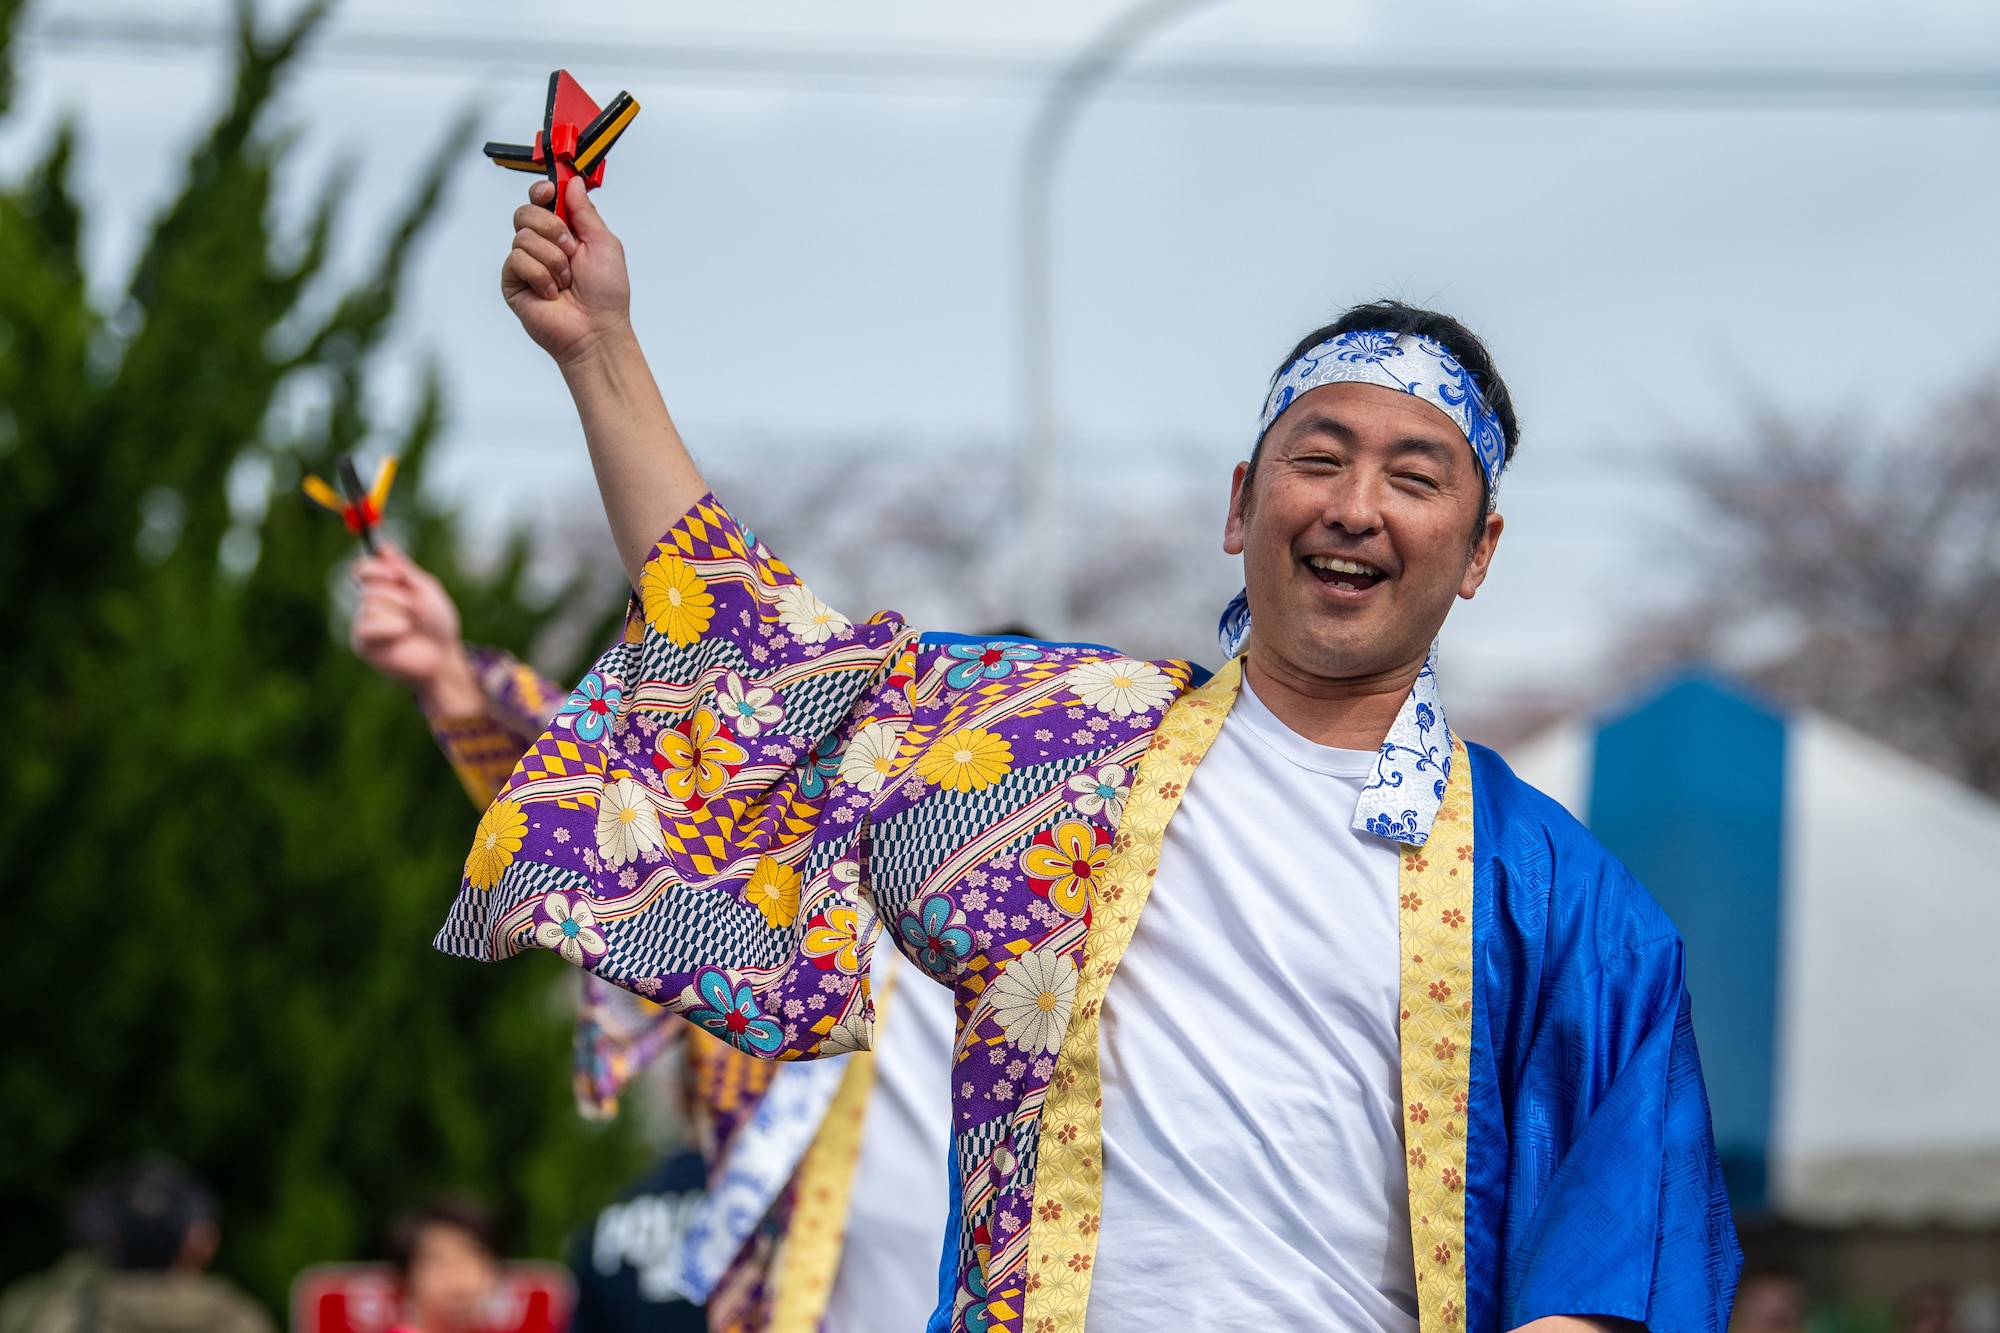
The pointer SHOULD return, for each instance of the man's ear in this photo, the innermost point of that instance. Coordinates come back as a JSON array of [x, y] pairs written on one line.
[[1481, 559], [1239, 497]]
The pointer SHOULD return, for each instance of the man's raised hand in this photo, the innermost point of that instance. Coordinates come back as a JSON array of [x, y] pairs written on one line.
[[566, 284], [569, 288]]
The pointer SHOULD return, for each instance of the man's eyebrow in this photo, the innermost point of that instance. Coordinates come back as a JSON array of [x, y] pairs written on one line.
[[1319, 423]]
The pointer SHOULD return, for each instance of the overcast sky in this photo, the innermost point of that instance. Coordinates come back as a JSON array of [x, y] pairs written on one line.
[[820, 261]]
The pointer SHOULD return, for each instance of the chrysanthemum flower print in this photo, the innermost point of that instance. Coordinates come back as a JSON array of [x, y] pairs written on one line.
[[774, 890], [1101, 793], [805, 617], [501, 829], [627, 824], [748, 709], [1066, 863], [677, 602], [871, 756], [696, 759], [968, 760], [1121, 686], [1032, 998], [571, 929]]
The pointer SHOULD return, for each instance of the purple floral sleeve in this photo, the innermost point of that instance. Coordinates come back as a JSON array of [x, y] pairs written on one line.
[[721, 811], [666, 830]]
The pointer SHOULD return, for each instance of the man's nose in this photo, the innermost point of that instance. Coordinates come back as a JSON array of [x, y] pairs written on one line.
[[1353, 505]]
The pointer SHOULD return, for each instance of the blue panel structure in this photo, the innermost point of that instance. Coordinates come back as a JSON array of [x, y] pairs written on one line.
[[1688, 791]]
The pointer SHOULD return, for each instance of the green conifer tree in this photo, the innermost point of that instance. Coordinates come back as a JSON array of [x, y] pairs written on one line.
[[224, 844]]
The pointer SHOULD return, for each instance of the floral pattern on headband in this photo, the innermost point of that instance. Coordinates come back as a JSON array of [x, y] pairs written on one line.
[[1409, 363]]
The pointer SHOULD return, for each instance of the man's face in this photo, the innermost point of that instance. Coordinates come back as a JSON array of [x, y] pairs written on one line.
[[1358, 534]]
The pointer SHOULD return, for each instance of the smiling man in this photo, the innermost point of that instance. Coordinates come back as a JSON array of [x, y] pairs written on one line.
[[1279, 1006]]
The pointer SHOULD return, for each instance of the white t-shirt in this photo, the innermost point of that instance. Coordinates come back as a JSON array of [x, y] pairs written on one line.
[[1253, 1152], [887, 1281]]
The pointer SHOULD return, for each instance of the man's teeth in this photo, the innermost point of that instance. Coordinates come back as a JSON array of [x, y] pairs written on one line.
[[1332, 564]]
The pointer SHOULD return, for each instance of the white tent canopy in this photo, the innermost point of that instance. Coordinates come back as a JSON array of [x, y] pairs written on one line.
[[1886, 1085]]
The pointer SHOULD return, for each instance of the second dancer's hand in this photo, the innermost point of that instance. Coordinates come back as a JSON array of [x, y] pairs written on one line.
[[407, 628]]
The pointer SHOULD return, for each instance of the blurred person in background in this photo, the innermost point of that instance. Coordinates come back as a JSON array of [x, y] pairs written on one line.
[[616, 1258], [1216, 939], [445, 1255], [1769, 1301], [143, 1243], [1927, 1309], [826, 1192]]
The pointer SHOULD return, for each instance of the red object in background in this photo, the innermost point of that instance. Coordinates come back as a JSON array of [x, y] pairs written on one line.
[[367, 1298], [576, 135]]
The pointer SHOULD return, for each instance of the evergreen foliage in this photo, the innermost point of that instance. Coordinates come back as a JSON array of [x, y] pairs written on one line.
[[224, 844]]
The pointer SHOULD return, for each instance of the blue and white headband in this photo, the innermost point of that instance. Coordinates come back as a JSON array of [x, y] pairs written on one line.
[[1408, 362]]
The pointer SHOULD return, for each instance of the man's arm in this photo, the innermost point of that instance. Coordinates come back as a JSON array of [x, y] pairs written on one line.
[[569, 288]]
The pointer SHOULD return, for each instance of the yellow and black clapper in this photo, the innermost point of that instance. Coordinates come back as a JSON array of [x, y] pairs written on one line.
[[602, 132], [515, 157], [584, 153]]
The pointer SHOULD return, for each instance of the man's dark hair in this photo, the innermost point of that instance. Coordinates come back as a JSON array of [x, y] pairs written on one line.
[[140, 1219], [447, 1211], [1400, 317]]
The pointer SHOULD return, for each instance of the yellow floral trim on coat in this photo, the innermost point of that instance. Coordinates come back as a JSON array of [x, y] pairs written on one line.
[[1069, 1180], [1436, 888], [817, 1232]]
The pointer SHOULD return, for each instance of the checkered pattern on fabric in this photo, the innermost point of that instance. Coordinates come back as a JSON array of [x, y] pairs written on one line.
[[463, 934], [906, 848], [686, 928], [826, 851], [980, 1182], [482, 925], [974, 1150], [483, 749], [659, 659]]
